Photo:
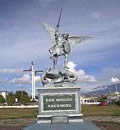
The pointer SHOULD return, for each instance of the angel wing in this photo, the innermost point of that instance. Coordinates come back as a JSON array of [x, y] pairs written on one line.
[[76, 40], [51, 32]]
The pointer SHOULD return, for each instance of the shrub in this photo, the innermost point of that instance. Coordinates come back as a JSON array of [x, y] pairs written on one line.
[[10, 99]]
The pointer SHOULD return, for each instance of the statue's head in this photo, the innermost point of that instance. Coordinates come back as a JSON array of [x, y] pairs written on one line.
[[65, 36]]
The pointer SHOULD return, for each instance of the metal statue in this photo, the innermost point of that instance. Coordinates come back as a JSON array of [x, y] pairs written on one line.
[[62, 44]]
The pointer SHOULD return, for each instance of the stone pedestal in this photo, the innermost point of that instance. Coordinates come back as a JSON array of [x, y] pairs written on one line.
[[59, 104], [85, 125]]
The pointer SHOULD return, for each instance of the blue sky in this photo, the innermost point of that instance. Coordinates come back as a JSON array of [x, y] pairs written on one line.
[[23, 39]]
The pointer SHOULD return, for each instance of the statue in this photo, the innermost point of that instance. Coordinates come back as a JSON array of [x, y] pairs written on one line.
[[62, 44], [62, 47]]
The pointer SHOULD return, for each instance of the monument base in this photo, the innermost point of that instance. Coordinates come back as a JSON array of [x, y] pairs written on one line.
[[60, 119], [85, 125], [59, 105]]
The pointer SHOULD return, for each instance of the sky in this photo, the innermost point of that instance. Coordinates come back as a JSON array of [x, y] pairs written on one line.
[[23, 39]]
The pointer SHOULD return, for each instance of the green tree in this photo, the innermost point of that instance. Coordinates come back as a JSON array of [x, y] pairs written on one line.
[[10, 99], [103, 98], [24, 99], [10, 93], [118, 102], [18, 94], [2, 100]]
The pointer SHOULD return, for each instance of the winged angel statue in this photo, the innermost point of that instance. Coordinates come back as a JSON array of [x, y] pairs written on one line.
[[62, 43]]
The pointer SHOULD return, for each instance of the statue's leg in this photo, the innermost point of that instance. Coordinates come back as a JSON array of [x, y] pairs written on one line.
[[54, 62], [66, 60], [50, 51]]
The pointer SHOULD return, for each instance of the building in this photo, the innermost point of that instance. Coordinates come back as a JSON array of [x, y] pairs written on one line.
[[4, 94], [114, 96], [89, 100]]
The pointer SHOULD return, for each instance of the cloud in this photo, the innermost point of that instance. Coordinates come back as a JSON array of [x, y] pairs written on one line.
[[96, 15], [45, 3], [115, 80], [107, 76], [108, 72], [82, 76], [89, 82], [11, 70], [25, 79], [37, 78]]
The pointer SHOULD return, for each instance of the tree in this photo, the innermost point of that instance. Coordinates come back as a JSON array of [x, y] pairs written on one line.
[[10, 93], [118, 102], [2, 100], [10, 99], [24, 99], [103, 98], [19, 94]]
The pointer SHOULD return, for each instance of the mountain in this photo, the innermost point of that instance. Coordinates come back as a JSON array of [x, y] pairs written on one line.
[[102, 90]]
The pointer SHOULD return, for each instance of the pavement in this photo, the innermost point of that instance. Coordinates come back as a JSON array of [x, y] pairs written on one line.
[[103, 122], [85, 125]]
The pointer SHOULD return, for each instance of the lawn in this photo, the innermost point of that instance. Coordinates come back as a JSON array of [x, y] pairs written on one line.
[[87, 110], [95, 110], [9, 113]]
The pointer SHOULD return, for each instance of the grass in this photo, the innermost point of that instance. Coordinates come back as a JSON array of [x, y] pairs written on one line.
[[87, 110], [8, 113], [95, 110]]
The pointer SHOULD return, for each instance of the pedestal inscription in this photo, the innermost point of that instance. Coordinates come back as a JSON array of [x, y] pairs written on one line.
[[59, 102]]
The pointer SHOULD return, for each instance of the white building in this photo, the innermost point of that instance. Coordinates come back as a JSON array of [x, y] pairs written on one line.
[[4, 94], [114, 96], [89, 100]]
